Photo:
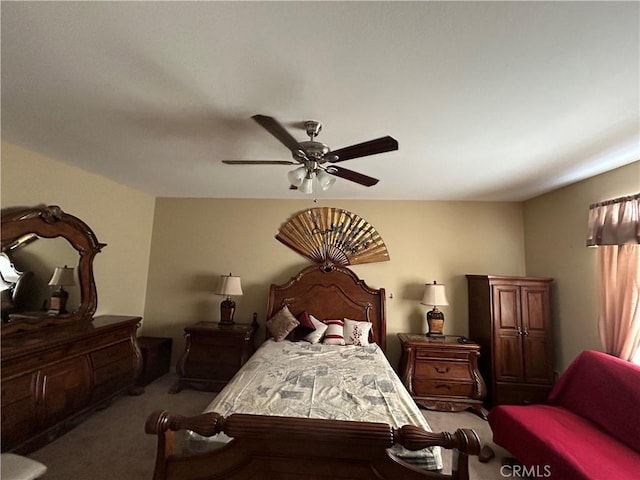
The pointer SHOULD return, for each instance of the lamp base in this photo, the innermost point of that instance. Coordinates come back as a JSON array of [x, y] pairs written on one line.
[[227, 310], [435, 322], [58, 302]]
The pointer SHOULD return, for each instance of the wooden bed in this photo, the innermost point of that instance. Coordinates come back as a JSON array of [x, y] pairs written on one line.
[[283, 448]]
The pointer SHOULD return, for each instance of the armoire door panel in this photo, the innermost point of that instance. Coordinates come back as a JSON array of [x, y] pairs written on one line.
[[506, 304], [535, 306], [538, 366], [508, 360]]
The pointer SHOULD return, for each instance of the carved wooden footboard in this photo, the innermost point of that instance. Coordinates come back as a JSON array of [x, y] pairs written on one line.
[[287, 448]]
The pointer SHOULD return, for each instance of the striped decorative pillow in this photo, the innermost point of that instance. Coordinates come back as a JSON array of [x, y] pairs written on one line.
[[335, 332]]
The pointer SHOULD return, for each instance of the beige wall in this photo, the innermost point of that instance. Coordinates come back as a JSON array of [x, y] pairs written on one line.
[[196, 240], [120, 217], [555, 237], [166, 269]]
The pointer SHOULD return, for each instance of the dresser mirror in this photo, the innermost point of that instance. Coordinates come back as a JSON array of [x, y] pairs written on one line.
[[46, 253]]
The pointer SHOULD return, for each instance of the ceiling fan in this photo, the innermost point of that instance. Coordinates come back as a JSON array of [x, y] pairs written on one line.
[[311, 156]]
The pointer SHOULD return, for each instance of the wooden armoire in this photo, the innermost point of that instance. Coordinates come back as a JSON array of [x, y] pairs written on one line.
[[510, 317]]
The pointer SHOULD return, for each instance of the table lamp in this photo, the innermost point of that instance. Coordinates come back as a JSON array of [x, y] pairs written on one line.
[[228, 285], [435, 295], [62, 277]]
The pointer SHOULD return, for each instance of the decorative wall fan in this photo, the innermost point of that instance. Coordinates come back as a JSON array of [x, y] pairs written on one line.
[[333, 235], [312, 156]]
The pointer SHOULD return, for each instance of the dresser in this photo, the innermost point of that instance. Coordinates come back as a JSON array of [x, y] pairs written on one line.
[[51, 380], [441, 373], [58, 364], [213, 354], [511, 319]]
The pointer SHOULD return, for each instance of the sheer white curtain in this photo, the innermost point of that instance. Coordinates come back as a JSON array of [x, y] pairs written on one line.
[[614, 228]]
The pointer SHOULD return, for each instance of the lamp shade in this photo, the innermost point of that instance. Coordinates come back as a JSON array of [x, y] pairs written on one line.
[[297, 176], [62, 276], [434, 294], [307, 185], [325, 180], [229, 285]]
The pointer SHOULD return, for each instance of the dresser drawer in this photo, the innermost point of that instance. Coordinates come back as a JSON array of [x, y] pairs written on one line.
[[103, 340], [18, 421], [442, 388], [111, 354], [442, 370], [17, 388], [120, 369]]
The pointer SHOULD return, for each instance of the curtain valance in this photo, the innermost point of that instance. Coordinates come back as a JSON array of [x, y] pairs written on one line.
[[615, 222]]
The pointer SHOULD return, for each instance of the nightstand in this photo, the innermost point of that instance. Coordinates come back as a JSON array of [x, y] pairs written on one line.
[[441, 373], [213, 354]]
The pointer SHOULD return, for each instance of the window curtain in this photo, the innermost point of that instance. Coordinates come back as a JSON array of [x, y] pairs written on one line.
[[614, 228]]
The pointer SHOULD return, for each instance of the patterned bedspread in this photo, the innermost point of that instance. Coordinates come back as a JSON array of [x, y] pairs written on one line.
[[298, 379]]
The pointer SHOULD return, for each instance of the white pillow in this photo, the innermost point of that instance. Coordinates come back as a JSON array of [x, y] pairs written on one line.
[[356, 333], [316, 335], [335, 332]]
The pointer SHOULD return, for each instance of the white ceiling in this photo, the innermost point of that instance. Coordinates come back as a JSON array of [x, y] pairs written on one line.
[[488, 100]]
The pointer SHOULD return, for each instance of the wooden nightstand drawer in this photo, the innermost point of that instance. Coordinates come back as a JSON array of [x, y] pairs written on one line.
[[442, 387], [440, 354], [442, 370], [218, 354]]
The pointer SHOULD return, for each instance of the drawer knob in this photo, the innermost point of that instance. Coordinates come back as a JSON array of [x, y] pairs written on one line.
[[442, 370], [444, 385]]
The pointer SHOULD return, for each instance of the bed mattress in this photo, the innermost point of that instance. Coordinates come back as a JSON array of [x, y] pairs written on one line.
[[338, 382]]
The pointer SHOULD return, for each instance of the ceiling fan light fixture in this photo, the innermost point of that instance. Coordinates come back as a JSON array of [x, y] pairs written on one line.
[[297, 176], [307, 185], [312, 155], [325, 180]]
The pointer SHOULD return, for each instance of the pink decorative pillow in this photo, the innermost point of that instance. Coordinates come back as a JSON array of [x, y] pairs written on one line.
[[282, 324], [335, 332], [356, 333], [305, 328], [316, 335]]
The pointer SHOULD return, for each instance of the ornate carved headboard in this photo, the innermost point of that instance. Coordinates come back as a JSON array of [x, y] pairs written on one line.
[[328, 292]]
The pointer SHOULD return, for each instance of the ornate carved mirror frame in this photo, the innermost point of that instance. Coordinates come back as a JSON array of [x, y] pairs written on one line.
[[52, 222]]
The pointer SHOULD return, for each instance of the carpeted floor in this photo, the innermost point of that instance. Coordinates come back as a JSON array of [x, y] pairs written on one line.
[[111, 444]]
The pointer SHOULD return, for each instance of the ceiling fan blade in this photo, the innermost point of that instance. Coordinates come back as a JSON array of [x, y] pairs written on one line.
[[351, 175], [372, 147], [274, 128], [259, 162]]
